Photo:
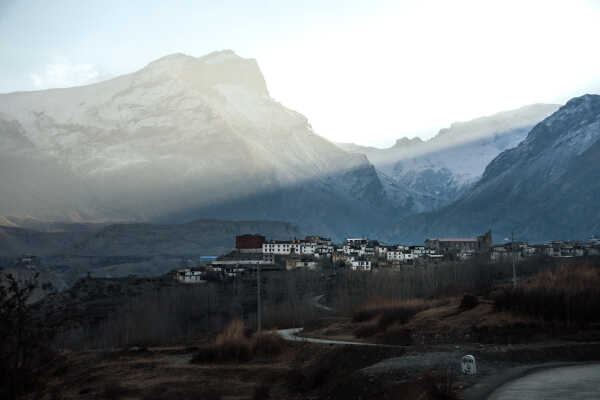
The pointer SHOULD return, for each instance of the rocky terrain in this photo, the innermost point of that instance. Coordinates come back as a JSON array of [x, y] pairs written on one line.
[[181, 139], [426, 175]]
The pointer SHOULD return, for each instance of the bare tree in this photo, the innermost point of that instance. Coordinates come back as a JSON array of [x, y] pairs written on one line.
[[25, 338]]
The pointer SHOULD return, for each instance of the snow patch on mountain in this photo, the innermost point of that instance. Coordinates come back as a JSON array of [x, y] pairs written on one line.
[[546, 188], [185, 135], [440, 170]]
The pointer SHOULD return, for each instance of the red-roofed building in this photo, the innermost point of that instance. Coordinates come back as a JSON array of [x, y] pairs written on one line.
[[249, 243]]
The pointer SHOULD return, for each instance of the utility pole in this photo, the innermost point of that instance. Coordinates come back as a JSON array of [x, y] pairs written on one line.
[[208, 308], [512, 246], [258, 305]]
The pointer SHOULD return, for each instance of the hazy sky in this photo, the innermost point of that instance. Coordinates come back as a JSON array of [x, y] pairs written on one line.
[[361, 71]]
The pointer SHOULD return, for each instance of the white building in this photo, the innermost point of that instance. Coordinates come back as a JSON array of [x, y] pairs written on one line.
[[293, 264], [287, 247], [188, 275], [381, 251], [418, 250], [401, 256], [361, 265], [395, 256], [356, 241]]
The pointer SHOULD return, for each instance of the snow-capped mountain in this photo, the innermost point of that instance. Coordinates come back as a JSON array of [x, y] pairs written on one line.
[[183, 138], [548, 187], [437, 171]]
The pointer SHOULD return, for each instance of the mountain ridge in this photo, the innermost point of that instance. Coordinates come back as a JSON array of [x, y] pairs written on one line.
[[437, 171], [184, 136], [545, 188]]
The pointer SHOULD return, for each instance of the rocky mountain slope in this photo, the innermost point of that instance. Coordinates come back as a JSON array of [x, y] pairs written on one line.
[[435, 172], [183, 138], [548, 187]]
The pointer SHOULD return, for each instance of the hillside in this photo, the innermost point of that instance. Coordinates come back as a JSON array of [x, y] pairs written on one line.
[[546, 188], [201, 237], [181, 139], [435, 172], [121, 250]]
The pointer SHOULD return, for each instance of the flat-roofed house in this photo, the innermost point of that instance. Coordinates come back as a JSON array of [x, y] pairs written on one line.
[[481, 244]]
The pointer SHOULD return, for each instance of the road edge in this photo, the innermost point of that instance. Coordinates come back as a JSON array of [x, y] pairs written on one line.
[[483, 389]]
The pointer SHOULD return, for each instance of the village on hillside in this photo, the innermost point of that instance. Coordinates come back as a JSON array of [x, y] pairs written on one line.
[[253, 252]]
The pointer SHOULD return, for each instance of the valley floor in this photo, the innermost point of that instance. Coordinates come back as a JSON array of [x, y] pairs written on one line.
[[428, 368], [304, 371]]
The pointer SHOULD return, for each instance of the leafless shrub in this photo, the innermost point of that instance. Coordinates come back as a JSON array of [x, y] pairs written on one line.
[[397, 334], [234, 345], [113, 390], [170, 315], [468, 302], [25, 338], [267, 344], [231, 345], [570, 294], [440, 385], [288, 298], [378, 314], [262, 392], [449, 279], [182, 392], [367, 328]]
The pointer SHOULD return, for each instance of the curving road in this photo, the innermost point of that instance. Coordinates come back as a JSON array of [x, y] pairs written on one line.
[[317, 303], [290, 335], [579, 382]]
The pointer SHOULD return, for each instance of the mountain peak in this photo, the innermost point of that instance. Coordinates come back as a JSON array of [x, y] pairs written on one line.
[[221, 56], [587, 100], [574, 125], [179, 58], [169, 62], [499, 122], [406, 142], [544, 188], [216, 68]]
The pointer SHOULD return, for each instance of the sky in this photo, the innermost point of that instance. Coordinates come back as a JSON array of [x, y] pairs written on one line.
[[367, 72]]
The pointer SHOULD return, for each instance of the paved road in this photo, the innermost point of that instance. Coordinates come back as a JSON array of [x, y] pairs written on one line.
[[579, 382], [317, 303], [290, 334]]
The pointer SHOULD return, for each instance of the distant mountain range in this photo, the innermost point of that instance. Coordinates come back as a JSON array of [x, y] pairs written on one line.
[[548, 187], [188, 139], [435, 172]]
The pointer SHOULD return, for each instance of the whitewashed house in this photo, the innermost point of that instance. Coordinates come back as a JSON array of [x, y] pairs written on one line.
[[291, 264], [361, 265], [287, 247], [189, 275], [395, 256]]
